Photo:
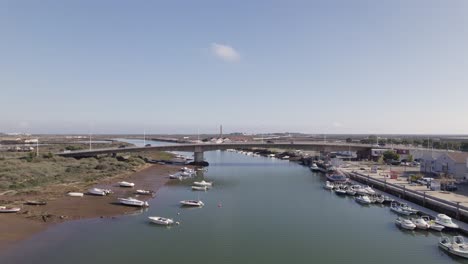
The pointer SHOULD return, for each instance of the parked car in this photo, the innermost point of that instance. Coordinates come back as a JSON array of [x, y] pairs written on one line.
[[450, 187], [148, 145]]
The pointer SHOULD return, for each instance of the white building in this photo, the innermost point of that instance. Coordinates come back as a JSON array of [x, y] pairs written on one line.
[[451, 163]]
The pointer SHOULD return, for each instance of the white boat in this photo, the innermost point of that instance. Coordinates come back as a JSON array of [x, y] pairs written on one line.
[[420, 223], [328, 185], [161, 220], [75, 194], [408, 208], [458, 247], [432, 224], [363, 199], [314, 167], [199, 188], [445, 221], [133, 202], [126, 184], [185, 174], [340, 191], [192, 203], [203, 183], [398, 209], [4, 209], [144, 192], [173, 176], [350, 191], [405, 223], [100, 192]]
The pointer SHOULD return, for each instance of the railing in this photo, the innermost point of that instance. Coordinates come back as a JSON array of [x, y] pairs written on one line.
[[454, 207]]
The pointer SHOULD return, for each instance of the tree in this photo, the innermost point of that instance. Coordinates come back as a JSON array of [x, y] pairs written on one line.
[[372, 139], [390, 155], [410, 158]]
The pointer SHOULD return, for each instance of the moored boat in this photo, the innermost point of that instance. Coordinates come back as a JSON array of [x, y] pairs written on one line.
[[192, 203], [328, 185], [161, 220], [199, 188], [363, 199], [337, 178], [99, 192], [35, 202], [75, 194], [126, 184], [133, 202], [432, 224], [340, 191], [446, 221], [314, 167], [405, 223], [5, 209], [144, 192], [458, 247], [398, 209], [203, 183], [420, 223]]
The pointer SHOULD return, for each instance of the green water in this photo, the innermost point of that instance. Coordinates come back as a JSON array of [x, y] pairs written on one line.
[[259, 211]]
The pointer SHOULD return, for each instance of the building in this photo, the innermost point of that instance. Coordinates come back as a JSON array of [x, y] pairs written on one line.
[[448, 163]]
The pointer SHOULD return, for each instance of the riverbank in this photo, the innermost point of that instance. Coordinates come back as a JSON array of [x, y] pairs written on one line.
[[60, 208]]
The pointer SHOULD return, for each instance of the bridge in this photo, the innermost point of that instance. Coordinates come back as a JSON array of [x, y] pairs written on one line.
[[199, 149]]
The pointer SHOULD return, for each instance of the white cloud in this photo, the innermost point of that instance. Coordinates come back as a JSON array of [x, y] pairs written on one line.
[[225, 52]]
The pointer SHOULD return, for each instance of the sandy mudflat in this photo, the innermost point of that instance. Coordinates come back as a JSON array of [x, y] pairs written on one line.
[[33, 219]]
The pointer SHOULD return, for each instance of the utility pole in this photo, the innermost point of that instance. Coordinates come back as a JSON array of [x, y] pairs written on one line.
[[37, 148], [90, 148], [144, 137]]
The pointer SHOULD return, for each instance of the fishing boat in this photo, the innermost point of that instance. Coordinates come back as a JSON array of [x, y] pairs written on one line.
[[161, 220], [420, 223], [133, 202], [405, 223], [458, 247], [363, 199], [328, 185], [445, 221], [192, 203], [35, 202], [199, 188], [203, 183], [5, 209], [143, 192], [432, 224], [126, 184], [99, 192], [398, 209], [75, 194]]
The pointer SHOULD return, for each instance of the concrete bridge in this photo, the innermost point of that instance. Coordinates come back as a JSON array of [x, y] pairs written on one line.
[[199, 149]]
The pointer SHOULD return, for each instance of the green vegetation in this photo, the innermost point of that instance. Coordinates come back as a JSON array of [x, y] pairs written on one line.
[[390, 155]]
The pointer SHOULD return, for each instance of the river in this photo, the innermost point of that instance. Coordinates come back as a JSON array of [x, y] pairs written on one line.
[[260, 210]]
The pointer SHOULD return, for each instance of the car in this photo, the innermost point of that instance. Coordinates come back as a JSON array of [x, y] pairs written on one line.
[[450, 187], [148, 145]]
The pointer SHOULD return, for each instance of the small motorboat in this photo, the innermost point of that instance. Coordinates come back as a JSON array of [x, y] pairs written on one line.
[[199, 188], [420, 223], [363, 199], [161, 220], [432, 224], [408, 208], [5, 209], [185, 174], [144, 192], [350, 191], [458, 247], [340, 191], [173, 176], [398, 209], [445, 221], [405, 223], [192, 203], [99, 192], [35, 202], [314, 167], [379, 199], [328, 185], [203, 183], [126, 184], [337, 178], [75, 194], [133, 202]]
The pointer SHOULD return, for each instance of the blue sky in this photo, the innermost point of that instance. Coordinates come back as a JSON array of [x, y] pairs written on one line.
[[254, 66]]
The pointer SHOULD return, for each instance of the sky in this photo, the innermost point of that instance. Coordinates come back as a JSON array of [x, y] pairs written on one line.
[[349, 66]]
